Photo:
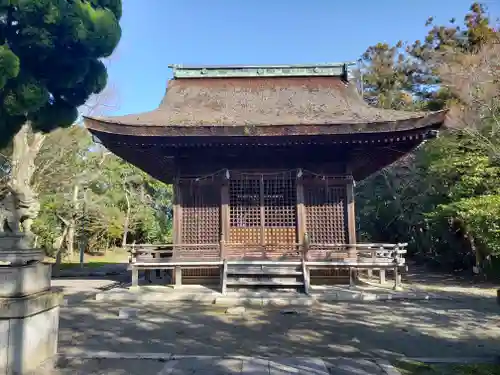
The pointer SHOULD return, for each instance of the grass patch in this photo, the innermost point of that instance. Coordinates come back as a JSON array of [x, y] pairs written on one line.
[[92, 260], [418, 368], [76, 265]]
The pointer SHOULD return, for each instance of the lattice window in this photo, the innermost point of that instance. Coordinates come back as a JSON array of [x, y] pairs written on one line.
[[276, 195], [325, 212], [280, 208], [244, 212], [200, 213]]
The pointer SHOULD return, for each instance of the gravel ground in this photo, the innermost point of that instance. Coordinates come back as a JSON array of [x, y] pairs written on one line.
[[468, 326], [420, 329]]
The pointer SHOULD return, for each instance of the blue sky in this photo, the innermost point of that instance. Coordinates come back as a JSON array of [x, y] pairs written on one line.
[[210, 32]]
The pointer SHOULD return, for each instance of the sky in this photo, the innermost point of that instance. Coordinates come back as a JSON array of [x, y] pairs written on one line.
[[157, 33]]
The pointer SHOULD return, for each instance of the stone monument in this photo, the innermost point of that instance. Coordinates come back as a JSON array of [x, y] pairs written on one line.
[[29, 307]]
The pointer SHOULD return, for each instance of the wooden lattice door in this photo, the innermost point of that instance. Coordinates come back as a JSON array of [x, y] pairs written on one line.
[[201, 229], [325, 203], [263, 209]]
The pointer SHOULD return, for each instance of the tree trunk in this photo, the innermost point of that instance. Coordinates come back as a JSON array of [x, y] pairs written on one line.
[[70, 238], [59, 253], [24, 152], [127, 221]]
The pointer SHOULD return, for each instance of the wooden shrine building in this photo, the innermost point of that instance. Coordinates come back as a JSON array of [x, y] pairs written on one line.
[[263, 160]]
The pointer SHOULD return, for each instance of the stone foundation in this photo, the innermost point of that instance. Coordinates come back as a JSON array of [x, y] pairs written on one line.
[[28, 331]]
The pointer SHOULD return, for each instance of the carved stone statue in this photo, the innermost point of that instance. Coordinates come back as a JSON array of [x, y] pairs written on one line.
[[9, 219], [17, 212]]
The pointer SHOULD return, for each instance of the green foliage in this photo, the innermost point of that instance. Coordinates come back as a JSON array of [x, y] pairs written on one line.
[[405, 76], [104, 184], [48, 225], [479, 218], [443, 198], [386, 83], [9, 65], [50, 53]]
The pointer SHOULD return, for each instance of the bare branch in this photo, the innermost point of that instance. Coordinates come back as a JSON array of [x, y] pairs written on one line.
[[475, 81]]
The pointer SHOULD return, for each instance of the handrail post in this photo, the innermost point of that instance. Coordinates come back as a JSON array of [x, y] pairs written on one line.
[[369, 271], [396, 268], [224, 277], [133, 256], [222, 245], [305, 246]]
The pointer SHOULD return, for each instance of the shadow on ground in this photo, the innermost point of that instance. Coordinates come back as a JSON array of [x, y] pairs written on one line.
[[219, 366], [422, 279], [418, 329], [468, 326]]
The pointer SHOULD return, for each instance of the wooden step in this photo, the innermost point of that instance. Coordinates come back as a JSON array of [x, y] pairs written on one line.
[[264, 283], [263, 271]]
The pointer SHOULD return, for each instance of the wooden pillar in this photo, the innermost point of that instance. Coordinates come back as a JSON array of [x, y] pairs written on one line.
[[177, 220], [223, 281], [178, 276], [301, 213], [135, 277], [225, 217], [262, 215], [307, 277], [351, 220], [397, 278], [381, 276], [352, 276]]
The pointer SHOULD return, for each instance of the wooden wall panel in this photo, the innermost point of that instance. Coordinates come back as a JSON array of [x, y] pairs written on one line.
[[325, 212], [200, 221]]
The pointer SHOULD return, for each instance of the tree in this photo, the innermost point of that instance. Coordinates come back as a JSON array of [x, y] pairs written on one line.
[[94, 199], [50, 64], [443, 197], [474, 80], [408, 75], [385, 80]]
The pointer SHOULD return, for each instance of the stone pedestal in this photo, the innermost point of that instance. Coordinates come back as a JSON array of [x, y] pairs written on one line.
[[24, 280], [28, 331], [29, 308]]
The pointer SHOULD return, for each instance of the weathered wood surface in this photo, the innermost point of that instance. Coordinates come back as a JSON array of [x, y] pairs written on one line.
[[367, 254]]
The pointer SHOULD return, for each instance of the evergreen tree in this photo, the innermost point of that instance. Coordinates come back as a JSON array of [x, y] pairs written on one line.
[[50, 60]]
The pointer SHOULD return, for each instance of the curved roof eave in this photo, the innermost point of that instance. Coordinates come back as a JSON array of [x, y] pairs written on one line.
[[107, 125]]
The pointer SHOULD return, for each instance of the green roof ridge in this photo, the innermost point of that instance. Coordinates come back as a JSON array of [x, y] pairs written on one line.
[[296, 70]]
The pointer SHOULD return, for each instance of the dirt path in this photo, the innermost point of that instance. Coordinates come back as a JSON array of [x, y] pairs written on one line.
[[421, 278]]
